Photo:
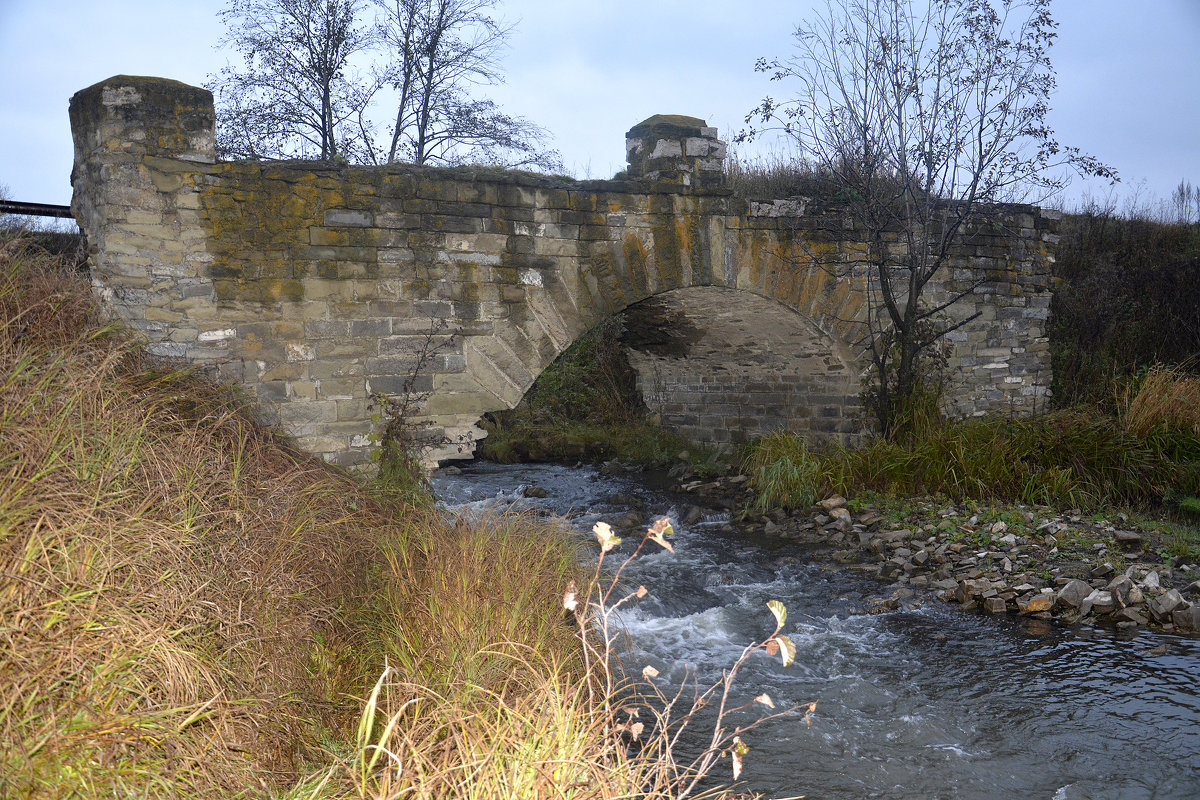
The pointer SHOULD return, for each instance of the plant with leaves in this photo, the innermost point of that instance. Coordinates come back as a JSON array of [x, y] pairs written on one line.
[[438, 51], [921, 114], [297, 94], [594, 614], [405, 439]]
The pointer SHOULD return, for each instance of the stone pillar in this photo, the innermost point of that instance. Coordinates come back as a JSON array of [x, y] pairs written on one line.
[[142, 147], [676, 149]]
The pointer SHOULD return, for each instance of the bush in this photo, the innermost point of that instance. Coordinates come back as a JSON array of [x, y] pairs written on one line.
[[1127, 300]]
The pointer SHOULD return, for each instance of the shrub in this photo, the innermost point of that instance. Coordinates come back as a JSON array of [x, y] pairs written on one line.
[[1127, 300]]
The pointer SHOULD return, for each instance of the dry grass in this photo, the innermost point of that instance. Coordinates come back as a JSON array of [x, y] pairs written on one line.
[[167, 563], [191, 608], [546, 742], [1166, 398]]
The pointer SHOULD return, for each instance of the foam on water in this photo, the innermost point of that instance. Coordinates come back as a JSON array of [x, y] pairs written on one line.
[[923, 703]]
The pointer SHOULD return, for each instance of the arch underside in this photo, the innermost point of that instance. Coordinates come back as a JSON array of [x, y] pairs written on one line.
[[769, 354], [721, 366]]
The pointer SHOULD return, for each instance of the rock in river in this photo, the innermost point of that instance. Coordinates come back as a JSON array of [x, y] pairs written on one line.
[[1073, 594]]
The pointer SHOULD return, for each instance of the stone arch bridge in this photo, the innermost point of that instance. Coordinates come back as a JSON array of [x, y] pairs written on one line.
[[314, 284]]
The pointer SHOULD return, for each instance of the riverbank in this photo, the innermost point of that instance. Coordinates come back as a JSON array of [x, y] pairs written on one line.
[[194, 608], [993, 706], [1114, 569]]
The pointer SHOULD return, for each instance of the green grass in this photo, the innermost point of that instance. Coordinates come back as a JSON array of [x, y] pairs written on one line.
[[1190, 506], [1068, 459], [784, 472]]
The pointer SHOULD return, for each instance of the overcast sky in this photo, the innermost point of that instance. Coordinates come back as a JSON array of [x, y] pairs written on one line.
[[588, 70]]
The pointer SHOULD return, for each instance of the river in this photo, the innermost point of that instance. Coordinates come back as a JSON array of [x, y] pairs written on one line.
[[925, 703]]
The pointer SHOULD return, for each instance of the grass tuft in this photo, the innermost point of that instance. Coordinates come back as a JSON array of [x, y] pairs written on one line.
[[1166, 398]]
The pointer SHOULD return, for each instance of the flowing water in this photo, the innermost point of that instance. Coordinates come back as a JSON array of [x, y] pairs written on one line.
[[928, 703]]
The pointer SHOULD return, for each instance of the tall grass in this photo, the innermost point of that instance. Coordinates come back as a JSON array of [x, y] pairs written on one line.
[[191, 608], [1164, 398], [1126, 299], [167, 561], [778, 176], [784, 472], [1069, 459]]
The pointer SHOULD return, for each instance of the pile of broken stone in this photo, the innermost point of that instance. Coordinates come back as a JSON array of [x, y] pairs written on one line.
[[1007, 576], [1014, 574]]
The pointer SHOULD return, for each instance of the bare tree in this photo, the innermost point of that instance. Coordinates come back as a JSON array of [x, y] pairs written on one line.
[[439, 51], [295, 95], [1184, 207], [921, 113]]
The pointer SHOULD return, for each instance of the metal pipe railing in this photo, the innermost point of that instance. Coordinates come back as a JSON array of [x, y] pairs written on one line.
[[35, 209]]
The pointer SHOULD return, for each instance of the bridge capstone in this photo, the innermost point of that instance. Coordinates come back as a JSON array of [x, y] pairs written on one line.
[[317, 284], [676, 149]]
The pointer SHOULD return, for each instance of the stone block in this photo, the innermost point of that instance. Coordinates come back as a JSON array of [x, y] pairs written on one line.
[[345, 349], [356, 409], [326, 329], [340, 389], [319, 444], [349, 218], [303, 412], [337, 368], [375, 327]]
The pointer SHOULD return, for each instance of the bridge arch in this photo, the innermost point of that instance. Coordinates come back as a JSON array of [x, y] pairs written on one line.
[[313, 284]]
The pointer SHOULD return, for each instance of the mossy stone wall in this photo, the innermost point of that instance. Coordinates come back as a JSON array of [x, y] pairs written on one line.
[[316, 284]]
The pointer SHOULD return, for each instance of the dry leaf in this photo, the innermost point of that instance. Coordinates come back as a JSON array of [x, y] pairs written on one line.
[[739, 749], [661, 542], [765, 699], [604, 536], [787, 649], [780, 612], [649, 671]]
